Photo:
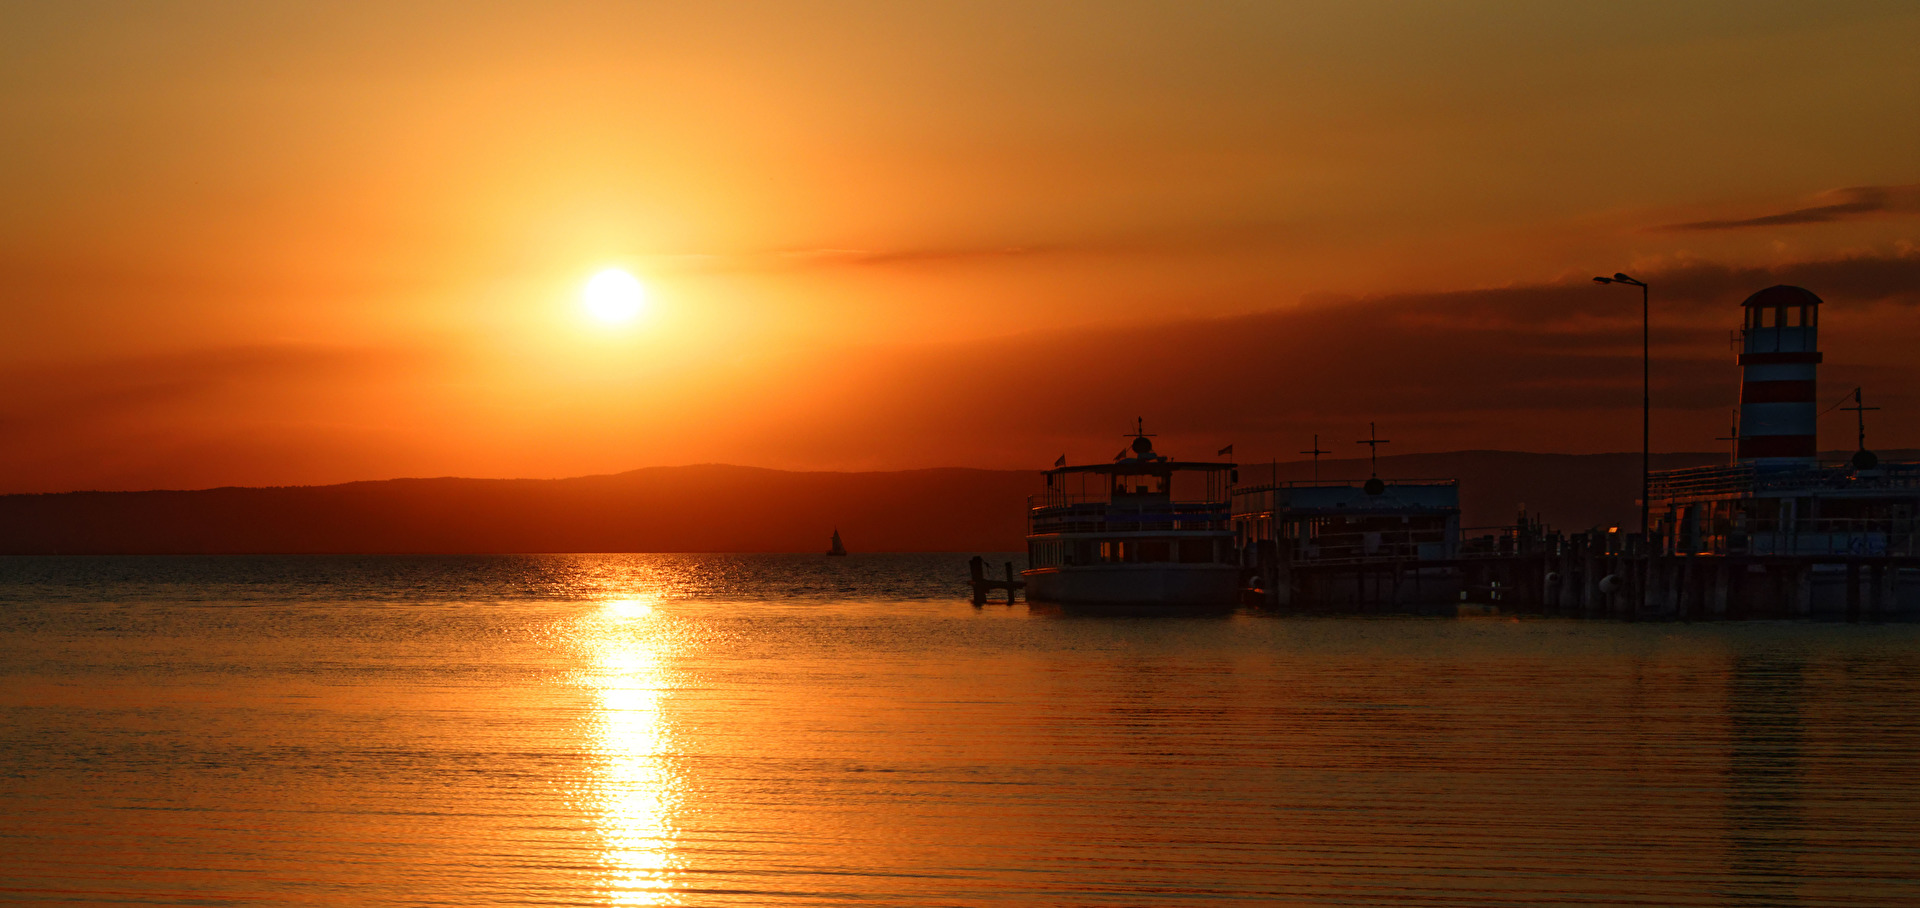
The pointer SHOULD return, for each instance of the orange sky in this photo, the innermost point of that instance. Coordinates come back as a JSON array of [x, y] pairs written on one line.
[[271, 244]]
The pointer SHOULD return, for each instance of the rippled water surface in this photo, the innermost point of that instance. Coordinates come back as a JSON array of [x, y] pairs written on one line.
[[775, 730]]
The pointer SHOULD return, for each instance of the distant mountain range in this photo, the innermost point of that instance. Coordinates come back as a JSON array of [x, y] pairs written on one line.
[[719, 508]]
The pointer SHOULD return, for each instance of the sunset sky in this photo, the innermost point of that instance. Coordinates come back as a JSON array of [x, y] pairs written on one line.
[[249, 244]]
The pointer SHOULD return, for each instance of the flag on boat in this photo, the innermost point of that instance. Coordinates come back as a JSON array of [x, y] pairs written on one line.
[[1061, 462], [1226, 451]]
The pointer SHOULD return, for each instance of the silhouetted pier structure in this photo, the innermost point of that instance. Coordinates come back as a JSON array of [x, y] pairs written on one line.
[[977, 571], [1527, 569], [1774, 534]]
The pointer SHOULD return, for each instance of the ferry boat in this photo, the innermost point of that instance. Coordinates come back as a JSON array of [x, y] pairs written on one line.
[[1142, 530]]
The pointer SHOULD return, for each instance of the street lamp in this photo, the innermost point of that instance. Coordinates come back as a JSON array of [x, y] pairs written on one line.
[[1646, 403]]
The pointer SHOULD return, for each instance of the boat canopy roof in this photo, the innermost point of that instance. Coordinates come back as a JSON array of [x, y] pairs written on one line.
[[1131, 467], [1139, 459]]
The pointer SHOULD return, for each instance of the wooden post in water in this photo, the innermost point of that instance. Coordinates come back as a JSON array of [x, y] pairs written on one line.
[[1589, 577], [1853, 591], [1874, 602], [1569, 583], [1280, 578], [977, 576], [1686, 596]]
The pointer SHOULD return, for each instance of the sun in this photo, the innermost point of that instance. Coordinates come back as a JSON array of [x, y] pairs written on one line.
[[614, 296]]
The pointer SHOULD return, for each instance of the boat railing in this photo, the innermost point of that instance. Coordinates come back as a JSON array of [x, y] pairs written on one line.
[[1340, 484], [1041, 502], [1359, 547], [1103, 516], [1820, 536], [1733, 480]]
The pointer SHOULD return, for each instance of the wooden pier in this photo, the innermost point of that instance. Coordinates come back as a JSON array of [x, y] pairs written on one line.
[[977, 569], [1603, 575]]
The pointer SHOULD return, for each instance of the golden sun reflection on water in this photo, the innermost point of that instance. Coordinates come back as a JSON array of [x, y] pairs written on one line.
[[636, 790]]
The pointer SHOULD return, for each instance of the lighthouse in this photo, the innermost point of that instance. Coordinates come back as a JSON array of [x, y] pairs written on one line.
[[1777, 510], [1779, 361]]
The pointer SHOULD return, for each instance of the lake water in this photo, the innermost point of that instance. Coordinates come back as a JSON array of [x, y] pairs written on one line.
[[787, 730]]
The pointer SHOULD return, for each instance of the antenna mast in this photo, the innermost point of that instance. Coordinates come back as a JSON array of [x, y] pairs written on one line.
[[1373, 443], [1316, 452], [1863, 459]]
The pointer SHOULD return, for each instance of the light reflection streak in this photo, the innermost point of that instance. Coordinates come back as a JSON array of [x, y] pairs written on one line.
[[637, 793]]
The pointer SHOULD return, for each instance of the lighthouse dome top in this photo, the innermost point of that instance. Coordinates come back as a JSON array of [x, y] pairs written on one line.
[[1780, 295]]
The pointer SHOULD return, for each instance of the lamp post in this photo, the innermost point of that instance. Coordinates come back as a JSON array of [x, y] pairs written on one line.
[[1646, 431], [1646, 400]]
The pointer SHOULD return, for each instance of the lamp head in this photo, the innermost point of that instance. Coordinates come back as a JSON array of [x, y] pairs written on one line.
[[1603, 280]]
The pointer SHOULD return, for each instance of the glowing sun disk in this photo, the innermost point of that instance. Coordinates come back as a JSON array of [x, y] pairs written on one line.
[[614, 296]]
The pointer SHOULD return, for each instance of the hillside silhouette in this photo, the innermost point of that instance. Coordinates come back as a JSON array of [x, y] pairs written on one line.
[[719, 508]]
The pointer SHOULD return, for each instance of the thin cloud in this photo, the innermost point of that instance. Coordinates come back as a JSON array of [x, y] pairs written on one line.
[[925, 256], [1537, 366], [1847, 204], [83, 394], [1158, 240]]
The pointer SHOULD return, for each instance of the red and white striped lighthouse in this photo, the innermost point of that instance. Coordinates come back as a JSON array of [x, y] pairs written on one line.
[[1779, 362]]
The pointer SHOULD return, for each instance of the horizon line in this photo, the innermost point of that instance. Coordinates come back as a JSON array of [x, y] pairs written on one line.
[[715, 464]]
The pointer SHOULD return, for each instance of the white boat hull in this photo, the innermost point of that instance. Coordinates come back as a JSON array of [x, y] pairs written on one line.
[[1135, 584]]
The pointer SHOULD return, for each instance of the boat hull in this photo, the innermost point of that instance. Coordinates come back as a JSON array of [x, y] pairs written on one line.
[[1135, 584]]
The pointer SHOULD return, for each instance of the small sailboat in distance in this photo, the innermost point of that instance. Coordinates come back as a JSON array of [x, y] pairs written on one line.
[[837, 549]]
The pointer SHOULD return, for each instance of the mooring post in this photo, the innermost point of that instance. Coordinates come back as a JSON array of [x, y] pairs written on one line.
[[1280, 578], [1009, 583], [1853, 590], [1874, 602], [1589, 578], [1569, 582], [1684, 597]]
